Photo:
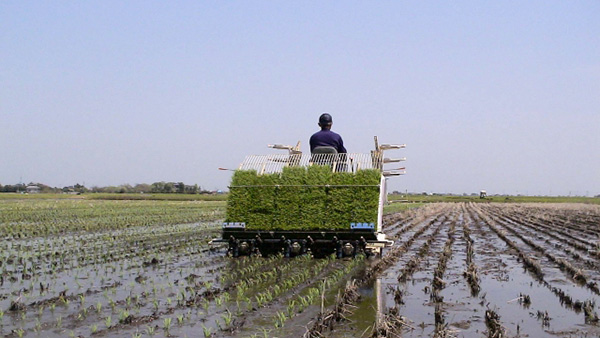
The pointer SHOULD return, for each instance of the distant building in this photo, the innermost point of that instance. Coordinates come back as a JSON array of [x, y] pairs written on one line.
[[68, 190], [33, 189]]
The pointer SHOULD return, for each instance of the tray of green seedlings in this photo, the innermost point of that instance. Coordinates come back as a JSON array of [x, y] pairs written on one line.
[[299, 198]]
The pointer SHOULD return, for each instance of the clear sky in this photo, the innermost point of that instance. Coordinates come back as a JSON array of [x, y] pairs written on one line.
[[502, 96]]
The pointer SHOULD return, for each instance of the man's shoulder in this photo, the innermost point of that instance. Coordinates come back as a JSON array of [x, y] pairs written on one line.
[[320, 133], [334, 134], [326, 134]]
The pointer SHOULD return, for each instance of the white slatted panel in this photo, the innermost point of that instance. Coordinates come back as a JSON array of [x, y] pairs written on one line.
[[267, 164]]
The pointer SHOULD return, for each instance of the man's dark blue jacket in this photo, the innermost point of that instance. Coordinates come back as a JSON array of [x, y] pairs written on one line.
[[327, 138]]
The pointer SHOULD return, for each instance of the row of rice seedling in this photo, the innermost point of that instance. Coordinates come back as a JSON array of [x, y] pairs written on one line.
[[438, 283], [128, 269], [398, 251], [70, 270], [260, 288], [249, 266], [53, 255], [32, 218], [117, 299], [129, 255], [471, 272], [317, 291], [339, 311], [413, 264]]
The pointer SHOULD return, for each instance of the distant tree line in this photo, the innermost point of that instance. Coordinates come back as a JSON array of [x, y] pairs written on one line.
[[141, 188], [154, 188], [21, 187]]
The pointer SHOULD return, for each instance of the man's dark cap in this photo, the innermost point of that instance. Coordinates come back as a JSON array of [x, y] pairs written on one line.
[[325, 119]]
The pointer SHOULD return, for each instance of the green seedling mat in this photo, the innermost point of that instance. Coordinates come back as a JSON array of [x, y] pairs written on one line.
[[303, 198]]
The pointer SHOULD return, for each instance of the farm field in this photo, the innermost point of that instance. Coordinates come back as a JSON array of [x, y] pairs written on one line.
[[496, 270], [104, 268]]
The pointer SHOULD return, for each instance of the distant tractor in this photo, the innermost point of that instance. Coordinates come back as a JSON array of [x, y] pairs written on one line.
[[482, 194]]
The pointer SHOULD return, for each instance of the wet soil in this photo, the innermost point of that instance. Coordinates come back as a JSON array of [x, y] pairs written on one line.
[[455, 270]]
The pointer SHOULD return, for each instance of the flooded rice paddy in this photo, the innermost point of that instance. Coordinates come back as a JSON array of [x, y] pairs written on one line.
[[455, 270]]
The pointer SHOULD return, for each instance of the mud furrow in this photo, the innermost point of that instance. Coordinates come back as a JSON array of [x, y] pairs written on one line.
[[571, 271], [534, 267]]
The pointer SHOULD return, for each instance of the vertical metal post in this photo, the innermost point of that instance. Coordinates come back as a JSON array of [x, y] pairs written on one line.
[[379, 298], [382, 200]]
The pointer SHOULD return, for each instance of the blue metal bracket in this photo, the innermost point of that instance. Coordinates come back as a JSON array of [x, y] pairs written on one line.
[[362, 226], [234, 225]]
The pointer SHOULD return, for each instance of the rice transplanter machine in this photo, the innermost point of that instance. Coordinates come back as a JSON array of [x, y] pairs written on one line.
[[366, 236]]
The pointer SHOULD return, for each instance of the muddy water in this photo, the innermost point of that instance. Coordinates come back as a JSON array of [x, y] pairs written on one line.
[[88, 288], [417, 307], [375, 296], [461, 309], [507, 280], [502, 280], [562, 248], [364, 316]]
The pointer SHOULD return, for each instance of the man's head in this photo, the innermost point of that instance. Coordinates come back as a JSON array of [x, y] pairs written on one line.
[[325, 121]]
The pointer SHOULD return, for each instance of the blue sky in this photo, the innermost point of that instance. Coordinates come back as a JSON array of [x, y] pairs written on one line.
[[502, 96]]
